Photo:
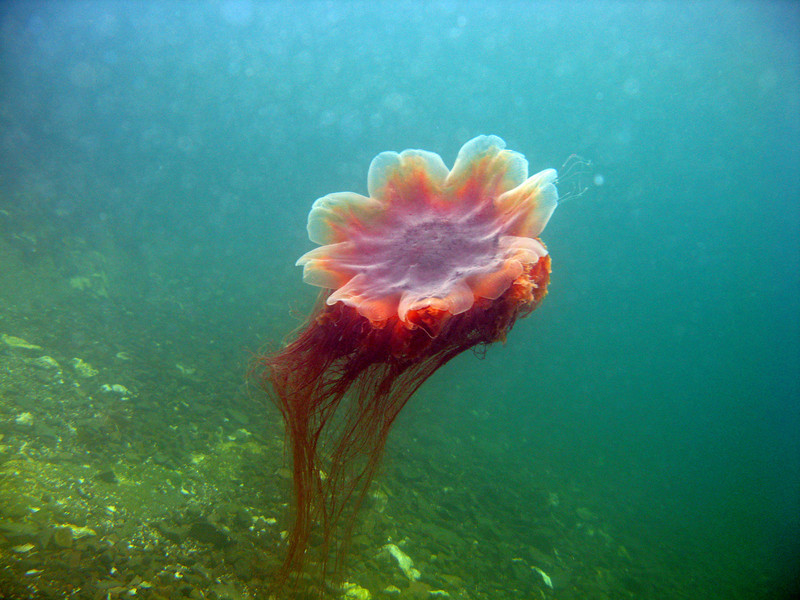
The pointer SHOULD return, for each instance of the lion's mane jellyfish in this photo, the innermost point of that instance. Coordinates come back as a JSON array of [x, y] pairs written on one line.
[[432, 263]]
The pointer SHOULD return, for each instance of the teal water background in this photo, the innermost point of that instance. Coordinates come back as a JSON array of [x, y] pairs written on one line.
[[662, 371]]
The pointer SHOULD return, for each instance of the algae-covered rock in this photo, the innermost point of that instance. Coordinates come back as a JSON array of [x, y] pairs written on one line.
[[95, 283], [207, 532], [62, 537], [47, 362], [403, 561], [83, 369], [353, 591], [17, 342], [25, 419], [115, 388]]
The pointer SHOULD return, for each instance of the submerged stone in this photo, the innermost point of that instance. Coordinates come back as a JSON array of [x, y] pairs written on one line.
[[62, 537], [83, 369], [208, 533], [18, 342], [108, 476]]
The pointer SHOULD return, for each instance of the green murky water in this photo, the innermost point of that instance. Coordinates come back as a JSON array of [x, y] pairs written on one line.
[[634, 438]]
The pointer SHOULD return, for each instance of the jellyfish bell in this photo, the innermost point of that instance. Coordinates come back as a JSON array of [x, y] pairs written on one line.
[[433, 262], [429, 237]]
